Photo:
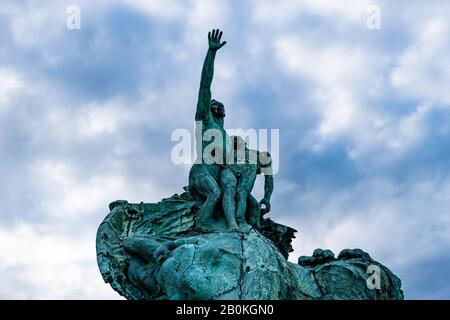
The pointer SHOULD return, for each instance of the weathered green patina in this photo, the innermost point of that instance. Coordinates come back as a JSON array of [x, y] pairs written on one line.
[[213, 242]]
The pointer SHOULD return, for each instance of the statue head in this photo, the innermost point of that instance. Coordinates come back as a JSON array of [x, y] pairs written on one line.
[[217, 109], [265, 160]]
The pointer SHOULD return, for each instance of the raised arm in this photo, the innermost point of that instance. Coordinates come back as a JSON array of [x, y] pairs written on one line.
[[204, 94]]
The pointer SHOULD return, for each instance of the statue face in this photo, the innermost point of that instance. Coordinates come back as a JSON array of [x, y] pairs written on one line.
[[264, 159], [217, 109]]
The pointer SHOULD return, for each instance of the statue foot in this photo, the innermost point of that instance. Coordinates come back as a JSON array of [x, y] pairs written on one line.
[[234, 228], [244, 226]]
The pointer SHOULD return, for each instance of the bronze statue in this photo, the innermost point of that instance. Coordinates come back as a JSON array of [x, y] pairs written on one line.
[[212, 242], [220, 174]]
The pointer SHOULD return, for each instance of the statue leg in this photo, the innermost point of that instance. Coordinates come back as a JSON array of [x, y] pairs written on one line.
[[228, 181], [243, 190], [204, 184]]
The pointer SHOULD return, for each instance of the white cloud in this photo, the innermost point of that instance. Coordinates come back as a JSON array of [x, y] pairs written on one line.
[[36, 23], [340, 112], [95, 119], [410, 129], [66, 193], [49, 266], [346, 79], [159, 9], [284, 12], [10, 84], [341, 76], [423, 70], [325, 66]]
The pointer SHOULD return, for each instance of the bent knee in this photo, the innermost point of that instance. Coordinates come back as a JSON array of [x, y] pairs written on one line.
[[227, 177]]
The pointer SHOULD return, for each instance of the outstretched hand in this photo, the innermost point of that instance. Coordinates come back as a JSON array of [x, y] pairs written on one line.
[[214, 40], [265, 206]]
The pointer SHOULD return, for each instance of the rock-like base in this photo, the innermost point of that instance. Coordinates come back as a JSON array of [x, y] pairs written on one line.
[[352, 276], [154, 251], [233, 265]]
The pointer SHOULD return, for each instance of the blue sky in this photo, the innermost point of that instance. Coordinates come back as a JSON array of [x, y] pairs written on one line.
[[86, 118]]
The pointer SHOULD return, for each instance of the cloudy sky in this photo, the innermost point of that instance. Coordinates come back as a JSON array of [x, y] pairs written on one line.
[[86, 118]]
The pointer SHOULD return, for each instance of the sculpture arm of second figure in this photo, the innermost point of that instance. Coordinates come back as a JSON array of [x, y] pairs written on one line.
[[266, 169], [204, 96], [268, 189]]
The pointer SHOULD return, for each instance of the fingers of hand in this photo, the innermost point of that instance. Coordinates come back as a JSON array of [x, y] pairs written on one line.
[[215, 34]]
